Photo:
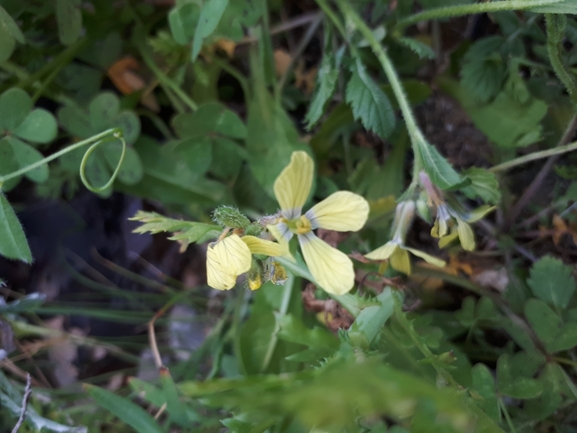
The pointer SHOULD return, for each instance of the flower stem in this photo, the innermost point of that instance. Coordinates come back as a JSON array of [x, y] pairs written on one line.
[[471, 9], [533, 156], [556, 24]]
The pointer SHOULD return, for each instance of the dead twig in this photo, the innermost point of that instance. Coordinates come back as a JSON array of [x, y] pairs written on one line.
[[25, 398]]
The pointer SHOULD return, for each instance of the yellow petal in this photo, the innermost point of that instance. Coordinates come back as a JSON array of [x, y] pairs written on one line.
[[400, 261], [466, 235], [384, 252], [342, 211], [225, 261], [262, 246], [282, 234], [331, 268], [446, 240], [293, 185], [427, 257]]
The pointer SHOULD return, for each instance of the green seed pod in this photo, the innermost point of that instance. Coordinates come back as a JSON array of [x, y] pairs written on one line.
[[228, 216], [254, 229]]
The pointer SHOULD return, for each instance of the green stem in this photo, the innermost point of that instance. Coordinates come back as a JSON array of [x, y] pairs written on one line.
[[565, 361], [93, 139], [507, 417], [415, 134], [477, 8], [233, 72], [533, 156], [556, 25], [286, 296], [164, 79]]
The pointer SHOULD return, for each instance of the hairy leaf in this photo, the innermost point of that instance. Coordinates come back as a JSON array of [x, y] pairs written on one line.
[[552, 282], [369, 102]]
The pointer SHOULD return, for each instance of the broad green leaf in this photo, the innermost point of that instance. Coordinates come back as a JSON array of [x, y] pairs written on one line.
[[8, 164], [129, 123], [227, 158], [549, 401], [182, 20], [209, 119], [513, 385], [212, 11], [69, 18], [437, 167], [103, 111], [27, 155], [327, 76], [131, 171], [175, 407], [9, 34], [485, 394], [552, 282], [369, 102], [548, 326], [13, 243], [484, 70], [418, 47], [15, 105], [76, 122], [128, 412], [9, 23], [483, 184], [38, 127], [370, 322], [184, 230], [319, 341], [27, 304], [196, 154]]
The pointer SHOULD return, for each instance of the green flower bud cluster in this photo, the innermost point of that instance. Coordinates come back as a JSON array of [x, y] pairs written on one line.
[[228, 216]]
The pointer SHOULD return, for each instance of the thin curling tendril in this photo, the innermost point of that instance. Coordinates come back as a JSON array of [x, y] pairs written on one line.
[[117, 135]]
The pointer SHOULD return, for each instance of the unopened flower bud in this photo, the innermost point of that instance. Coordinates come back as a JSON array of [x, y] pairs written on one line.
[[228, 216]]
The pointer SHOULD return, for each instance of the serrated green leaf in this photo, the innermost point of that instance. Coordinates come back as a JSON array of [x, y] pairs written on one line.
[[15, 105], [483, 184], [549, 401], [513, 385], [369, 323], [13, 243], [212, 11], [38, 127], [327, 76], [130, 413], [174, 405], [184, 230], [549, 327], [552, 282], [419, 48], [442, 174], [319, 341], [484, 71], [69, 18], [26, 155], [369, 102]]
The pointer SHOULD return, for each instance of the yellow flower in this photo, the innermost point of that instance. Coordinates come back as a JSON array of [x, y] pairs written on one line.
[[341, 211], [395, 250], [230, 257]]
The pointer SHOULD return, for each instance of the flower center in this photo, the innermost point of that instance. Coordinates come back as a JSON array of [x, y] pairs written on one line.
[[299, 226]]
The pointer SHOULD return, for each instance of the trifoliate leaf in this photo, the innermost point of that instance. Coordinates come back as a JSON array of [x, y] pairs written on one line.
[[210, 16], [549, 327], [483, 184], [552, 282], [182, 21], [369, 102], [9, 34], [15, 105], [512, 384], [484, 71], [38, 127], [419, 48], [69, 18], [26, 155]]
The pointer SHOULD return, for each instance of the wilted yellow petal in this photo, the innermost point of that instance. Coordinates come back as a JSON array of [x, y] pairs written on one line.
[[293, 185], [400, 261], [466, 235], [427, 257], [480, 212], [262, 246], [331, 268], [446, 240], [225, 261], [384, 252], [342, 211]]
